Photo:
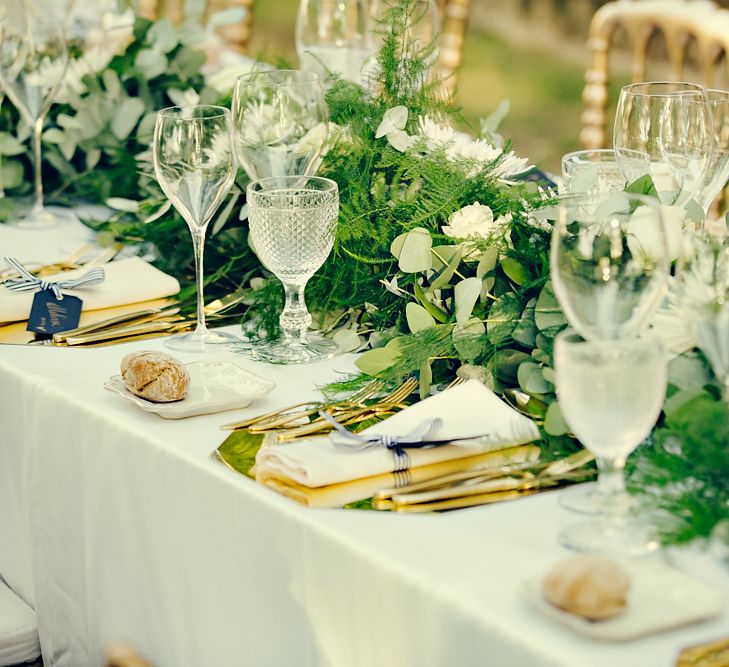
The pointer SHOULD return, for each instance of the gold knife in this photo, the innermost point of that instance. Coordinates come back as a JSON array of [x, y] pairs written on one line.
[[137, 317]]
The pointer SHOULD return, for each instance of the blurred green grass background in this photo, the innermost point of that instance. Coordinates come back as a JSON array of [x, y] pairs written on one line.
[[543, 88]]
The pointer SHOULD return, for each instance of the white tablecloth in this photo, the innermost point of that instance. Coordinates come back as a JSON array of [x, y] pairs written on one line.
[[117, 525]]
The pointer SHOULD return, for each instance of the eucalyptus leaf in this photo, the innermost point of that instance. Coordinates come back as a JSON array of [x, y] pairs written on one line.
[[9, 145], [163, 36], [93, 155], [526, 330], [516, 271], [412, 250], [468, 339], [426, 379], [554, 423], [418, 318], [347, 339], [374, 362], [151, 63], [487, 262], [503, 317], [126, 117], [548, 314], [531, 380], [425, 302], [506, 364], [466, 295], [441, 280]]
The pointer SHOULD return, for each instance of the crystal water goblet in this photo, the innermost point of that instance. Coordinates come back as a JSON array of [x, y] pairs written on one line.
[[664, 129], [195, 165], [281, 123], [591, 172], [611, 393], [717, 172], [292, 223], [335, 37], [33, 61], [609, 269]]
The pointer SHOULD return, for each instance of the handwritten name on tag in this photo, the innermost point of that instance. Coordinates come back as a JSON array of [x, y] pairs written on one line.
[[49, 315]]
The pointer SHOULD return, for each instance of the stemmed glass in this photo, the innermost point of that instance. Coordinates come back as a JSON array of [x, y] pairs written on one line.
[[33, 61], [281, 123], [664, 129], [292, 221], [609, 263], [717, 172], [335, 36], [611, 394], [192, 151], [591, 172], [609, 269]]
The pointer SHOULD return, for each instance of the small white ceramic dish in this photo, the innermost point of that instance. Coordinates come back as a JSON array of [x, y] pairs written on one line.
[[660, 598], [215, 386]]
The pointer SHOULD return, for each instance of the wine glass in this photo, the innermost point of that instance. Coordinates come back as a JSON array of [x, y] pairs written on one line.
[[281, 123], [717, 172], [33, 61], [192, 151], [335, 36], [609, 269], [609, 263], [292, 222], [611, 393], [664, 129], [591, 172]]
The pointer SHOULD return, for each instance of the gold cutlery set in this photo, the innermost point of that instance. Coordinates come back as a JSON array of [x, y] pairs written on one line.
[[120, 324], [460, 483]]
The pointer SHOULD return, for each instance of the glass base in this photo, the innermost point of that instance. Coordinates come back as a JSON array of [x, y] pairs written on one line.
[[618, 538], [201, 341], [283, 351], [45, 218], [582, 499]]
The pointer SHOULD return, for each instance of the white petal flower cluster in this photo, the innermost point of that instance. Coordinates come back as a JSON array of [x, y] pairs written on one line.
[[434, 136], [475, 221]]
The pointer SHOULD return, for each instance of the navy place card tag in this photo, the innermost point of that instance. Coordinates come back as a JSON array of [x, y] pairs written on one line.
[[49, 315]]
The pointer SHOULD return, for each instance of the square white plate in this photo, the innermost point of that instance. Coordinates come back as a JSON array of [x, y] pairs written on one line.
[[660, 598], [215, 386]]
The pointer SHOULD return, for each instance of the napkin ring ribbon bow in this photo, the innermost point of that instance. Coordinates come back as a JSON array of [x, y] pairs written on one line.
[[28, 282], [418, 437]]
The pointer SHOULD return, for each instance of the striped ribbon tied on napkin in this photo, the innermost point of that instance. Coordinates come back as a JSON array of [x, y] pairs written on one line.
[[28, 282]]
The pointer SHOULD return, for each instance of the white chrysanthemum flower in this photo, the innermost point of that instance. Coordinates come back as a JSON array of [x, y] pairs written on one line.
[[458, 145]]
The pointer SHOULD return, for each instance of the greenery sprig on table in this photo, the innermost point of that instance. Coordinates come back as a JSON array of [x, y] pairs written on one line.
[[440, 266]]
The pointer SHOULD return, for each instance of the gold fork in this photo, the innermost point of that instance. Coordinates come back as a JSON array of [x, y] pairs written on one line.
[[299, 410], [391, 403]]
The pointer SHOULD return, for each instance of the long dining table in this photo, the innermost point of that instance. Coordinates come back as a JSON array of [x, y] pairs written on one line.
[[118, 525]]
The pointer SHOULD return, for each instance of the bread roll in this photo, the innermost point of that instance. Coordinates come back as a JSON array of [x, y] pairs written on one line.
[[155, 376], [589, 586]]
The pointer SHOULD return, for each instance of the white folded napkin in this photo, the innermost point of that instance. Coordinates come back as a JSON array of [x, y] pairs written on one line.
[[468, 410], [127, 281]]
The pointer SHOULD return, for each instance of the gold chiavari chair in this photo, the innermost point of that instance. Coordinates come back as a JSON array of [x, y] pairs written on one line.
[[453, 35], [681, 22]]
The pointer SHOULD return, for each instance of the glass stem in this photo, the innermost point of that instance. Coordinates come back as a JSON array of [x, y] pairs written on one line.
[[295, 319], [611, 487], [37, 134], [198, 244]]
